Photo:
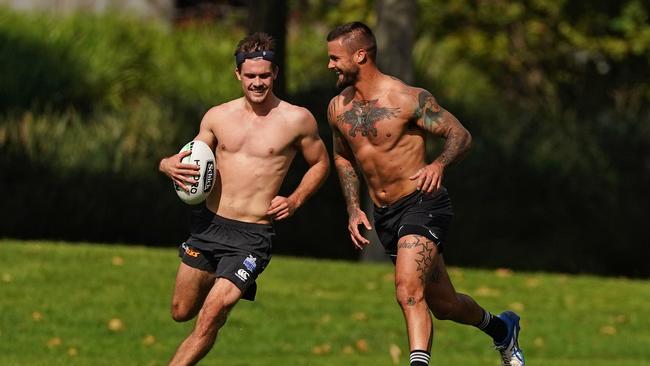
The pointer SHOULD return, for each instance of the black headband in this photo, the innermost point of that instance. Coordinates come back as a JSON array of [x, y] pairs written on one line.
[[243, 56]]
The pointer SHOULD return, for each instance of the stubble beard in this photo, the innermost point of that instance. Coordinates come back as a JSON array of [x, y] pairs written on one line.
[[349, 78]]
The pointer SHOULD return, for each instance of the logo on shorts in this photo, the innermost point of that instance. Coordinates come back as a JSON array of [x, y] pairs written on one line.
[[242, 274], [250, 263], [189, 251]]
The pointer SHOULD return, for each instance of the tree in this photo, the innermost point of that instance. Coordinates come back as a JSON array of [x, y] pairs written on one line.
[[395, 32]]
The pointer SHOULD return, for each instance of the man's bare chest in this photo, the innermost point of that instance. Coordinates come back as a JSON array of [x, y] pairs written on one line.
[[372, 121], [260, 141]]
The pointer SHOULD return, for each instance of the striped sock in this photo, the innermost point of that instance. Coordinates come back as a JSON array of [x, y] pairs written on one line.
[[493, 326], [419, 358]]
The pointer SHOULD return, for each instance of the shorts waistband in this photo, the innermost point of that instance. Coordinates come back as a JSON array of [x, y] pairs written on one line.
[[248, 226], [406, 199]]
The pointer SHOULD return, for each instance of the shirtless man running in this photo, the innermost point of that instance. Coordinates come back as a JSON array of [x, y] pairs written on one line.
[[379, 123], [255, 139]]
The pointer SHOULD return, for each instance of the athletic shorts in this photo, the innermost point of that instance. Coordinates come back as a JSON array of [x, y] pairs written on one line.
[[235, 250], [427, 215]]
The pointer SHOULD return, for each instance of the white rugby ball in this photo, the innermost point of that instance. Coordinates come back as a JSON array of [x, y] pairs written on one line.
[[201, 155]]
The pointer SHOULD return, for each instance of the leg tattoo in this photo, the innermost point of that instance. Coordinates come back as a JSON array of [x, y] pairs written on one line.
[[424, 258]]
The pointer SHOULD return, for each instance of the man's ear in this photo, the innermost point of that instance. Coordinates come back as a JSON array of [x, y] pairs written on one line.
[[360, 56], [237, 73]]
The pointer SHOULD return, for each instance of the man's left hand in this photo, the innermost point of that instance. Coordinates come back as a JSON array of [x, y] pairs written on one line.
[[281, 208], [429, 178]]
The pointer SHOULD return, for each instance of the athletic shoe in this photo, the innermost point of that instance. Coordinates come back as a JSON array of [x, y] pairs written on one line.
[[511, 354]]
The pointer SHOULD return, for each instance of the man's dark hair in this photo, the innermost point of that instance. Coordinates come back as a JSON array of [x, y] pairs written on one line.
[[356, 35], [254, 46], [258, 41]]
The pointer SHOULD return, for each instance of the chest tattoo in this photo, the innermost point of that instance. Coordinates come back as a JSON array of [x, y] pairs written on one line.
[[363, 115]]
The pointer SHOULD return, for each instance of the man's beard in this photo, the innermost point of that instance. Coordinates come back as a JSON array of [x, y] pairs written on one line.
[[349, 78]]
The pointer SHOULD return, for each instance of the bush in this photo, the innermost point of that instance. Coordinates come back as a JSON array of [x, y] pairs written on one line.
[[89, 105], [91, 63]]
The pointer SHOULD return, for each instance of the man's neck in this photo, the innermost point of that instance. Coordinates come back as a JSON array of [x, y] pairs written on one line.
[[366, 85], [262, 109]]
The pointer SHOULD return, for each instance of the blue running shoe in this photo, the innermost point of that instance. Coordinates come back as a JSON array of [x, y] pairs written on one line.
[[511, 354]]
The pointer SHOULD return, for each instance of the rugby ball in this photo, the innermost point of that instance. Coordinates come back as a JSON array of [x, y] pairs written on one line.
[[201, 155]]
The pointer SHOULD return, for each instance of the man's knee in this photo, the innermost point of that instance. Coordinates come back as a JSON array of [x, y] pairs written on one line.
[[182, 312], [408, 293]]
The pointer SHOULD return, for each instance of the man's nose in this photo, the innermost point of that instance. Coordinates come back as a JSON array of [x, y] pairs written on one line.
[[330, 65]]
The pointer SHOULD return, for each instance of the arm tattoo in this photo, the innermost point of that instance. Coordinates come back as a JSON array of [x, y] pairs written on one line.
[[429, 110], [339, 145], [363, 115], [347, 175], [331, 111], [455, 146], [434, 119], [350, 186]]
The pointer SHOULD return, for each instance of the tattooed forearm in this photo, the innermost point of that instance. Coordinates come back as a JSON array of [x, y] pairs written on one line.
[[348, 178], [350, 186], [456, 145]]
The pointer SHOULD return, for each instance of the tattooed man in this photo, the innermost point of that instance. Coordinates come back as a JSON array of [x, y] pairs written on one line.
[[255, 138], [379, 126]]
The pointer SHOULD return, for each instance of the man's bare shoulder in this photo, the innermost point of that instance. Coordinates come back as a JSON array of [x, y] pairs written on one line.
[[298, 119], [226, 108], [222, 112], [338, 102], [344, 96], [402, 94], [295, 114]]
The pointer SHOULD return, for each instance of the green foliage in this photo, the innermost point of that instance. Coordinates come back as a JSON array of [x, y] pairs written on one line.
[[334, 12], [92, 62], [59, 299], [556, 95], [307, 64], [106, 93], [535, 54], [125, 142]]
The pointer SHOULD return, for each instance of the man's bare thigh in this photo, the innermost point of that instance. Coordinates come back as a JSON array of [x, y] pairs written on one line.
[[415, 258], [419, 256], [191, 288]]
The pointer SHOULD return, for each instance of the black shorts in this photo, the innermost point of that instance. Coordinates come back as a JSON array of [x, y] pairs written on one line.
[[231, 249], [428, 215]]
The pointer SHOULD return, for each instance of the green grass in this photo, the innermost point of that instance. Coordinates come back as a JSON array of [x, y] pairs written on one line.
[[56, 301]]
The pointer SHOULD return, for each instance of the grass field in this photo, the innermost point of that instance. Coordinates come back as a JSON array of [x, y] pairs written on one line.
[[74, 304]]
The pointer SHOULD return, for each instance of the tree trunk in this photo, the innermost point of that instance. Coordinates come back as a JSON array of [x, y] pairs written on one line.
[[271, 17], [395, 33]]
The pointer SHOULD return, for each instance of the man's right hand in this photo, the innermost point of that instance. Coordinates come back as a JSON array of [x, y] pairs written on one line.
[[358, 217], [178, 172]]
